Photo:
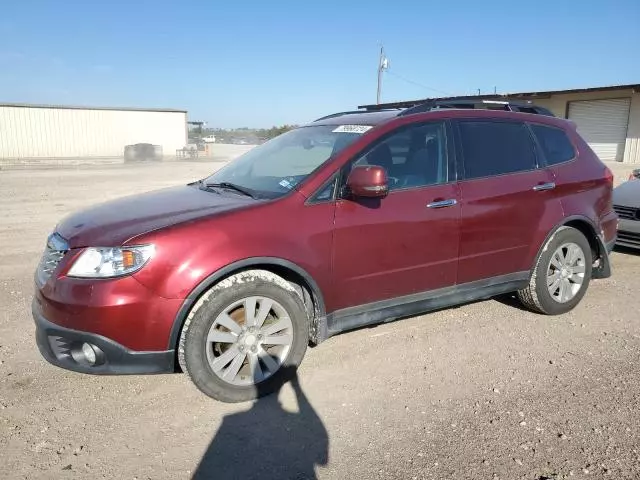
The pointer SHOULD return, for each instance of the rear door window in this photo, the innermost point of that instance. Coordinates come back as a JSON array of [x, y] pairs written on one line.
[[555, 144], [493, 148]]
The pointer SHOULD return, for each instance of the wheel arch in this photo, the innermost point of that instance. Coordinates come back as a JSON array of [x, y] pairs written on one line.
[[601, 267], [294, 274]]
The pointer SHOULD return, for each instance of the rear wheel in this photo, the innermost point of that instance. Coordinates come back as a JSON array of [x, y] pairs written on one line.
[[245, 336], [562, 274]]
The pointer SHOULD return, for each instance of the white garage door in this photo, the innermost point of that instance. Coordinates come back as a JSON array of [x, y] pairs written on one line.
[[603, 124]]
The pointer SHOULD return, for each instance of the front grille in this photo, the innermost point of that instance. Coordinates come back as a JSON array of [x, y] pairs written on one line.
[[628, 213], [628, 239], [54, 251]]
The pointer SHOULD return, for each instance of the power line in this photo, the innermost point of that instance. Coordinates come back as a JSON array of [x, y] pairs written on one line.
[[417, 84]]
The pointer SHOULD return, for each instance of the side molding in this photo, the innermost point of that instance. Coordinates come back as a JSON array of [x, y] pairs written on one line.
[[410, 305]]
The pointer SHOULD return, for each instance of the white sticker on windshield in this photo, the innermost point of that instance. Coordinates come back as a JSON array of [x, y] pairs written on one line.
[[285, 184], [352, 129]]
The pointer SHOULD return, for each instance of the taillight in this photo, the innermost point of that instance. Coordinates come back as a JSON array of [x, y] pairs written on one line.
[[608, 175]]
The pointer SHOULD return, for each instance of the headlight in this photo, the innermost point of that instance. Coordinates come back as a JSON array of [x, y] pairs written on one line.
[[110, 262]]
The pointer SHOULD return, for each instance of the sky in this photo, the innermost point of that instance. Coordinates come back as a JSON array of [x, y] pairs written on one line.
[[257, 64]]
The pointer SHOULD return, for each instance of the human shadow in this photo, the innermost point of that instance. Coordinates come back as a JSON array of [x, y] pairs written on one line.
[[267, 442]]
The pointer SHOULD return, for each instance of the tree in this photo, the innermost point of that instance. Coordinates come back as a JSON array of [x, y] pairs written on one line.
[[274, 131]]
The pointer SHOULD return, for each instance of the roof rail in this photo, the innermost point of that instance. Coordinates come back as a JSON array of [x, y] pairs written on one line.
[[524, 107], [462, 102]]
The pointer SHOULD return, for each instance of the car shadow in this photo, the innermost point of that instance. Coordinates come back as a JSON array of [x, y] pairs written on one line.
[[511, 300], [371, 203], [267, 441], [627, 250]]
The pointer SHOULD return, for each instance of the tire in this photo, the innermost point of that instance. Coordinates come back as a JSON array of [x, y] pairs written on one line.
[[210, 364], [537, 295]]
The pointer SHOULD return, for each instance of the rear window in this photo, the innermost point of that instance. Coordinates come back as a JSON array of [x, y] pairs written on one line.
[[496, 148], [555, 144]]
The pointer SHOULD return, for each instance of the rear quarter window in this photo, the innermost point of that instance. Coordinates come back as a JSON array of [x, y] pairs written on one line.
[[555, 144]]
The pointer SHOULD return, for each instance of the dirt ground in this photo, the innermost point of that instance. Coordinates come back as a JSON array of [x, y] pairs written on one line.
[[485, 390]]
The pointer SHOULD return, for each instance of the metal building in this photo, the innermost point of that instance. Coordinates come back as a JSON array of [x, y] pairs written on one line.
[[53, 131]]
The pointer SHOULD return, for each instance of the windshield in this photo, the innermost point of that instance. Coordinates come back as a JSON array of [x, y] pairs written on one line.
[[272, 169]]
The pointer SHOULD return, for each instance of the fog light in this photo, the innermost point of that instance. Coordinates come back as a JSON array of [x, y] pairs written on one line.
[[89, 353]]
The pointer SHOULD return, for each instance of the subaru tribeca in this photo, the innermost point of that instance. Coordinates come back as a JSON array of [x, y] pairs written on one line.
[[355, 219]]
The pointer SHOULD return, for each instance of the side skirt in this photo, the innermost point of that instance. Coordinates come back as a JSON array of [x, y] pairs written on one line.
[[411, 305]]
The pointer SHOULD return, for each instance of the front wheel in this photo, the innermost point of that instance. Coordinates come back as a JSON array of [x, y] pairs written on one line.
[[244, 337], [561, 276]]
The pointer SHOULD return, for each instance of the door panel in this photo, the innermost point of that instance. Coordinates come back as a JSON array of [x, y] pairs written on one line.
[[406, 242], [507, 197], [395, 246], [500, 218]]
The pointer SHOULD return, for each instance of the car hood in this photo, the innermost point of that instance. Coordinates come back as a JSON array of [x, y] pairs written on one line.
[[627, 194], [114, 222]]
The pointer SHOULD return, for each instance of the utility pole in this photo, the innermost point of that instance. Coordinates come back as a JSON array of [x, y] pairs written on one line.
[[383, 64]]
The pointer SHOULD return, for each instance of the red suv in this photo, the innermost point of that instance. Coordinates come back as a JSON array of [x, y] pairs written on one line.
[[355, 219]]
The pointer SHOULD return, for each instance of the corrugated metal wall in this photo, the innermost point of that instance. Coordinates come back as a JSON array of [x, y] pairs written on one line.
[[632, 146], [43, 132], [603, 124]]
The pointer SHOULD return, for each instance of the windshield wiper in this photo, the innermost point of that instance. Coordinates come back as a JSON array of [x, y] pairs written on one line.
[[230, 186]]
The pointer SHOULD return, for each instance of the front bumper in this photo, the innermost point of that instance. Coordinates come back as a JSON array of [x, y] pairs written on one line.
[[62, 347]]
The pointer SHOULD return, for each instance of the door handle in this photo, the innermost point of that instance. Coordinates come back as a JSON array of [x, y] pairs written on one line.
[[442, 203], [544, 186]]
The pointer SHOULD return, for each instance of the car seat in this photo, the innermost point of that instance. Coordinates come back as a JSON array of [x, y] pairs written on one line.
[[381, 156], [421, 166]]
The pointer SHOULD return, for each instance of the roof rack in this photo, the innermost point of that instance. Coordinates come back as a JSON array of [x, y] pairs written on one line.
[[420, 106], [462, 102], [524, 107]]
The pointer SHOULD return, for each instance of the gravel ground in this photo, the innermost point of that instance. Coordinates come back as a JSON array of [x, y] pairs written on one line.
[[485, 390]]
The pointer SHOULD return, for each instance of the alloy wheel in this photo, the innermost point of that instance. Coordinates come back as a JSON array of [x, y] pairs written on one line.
[[249, 341], [565, 273]]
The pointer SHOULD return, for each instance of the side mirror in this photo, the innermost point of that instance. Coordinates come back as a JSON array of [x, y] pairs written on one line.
[[368, 181]]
